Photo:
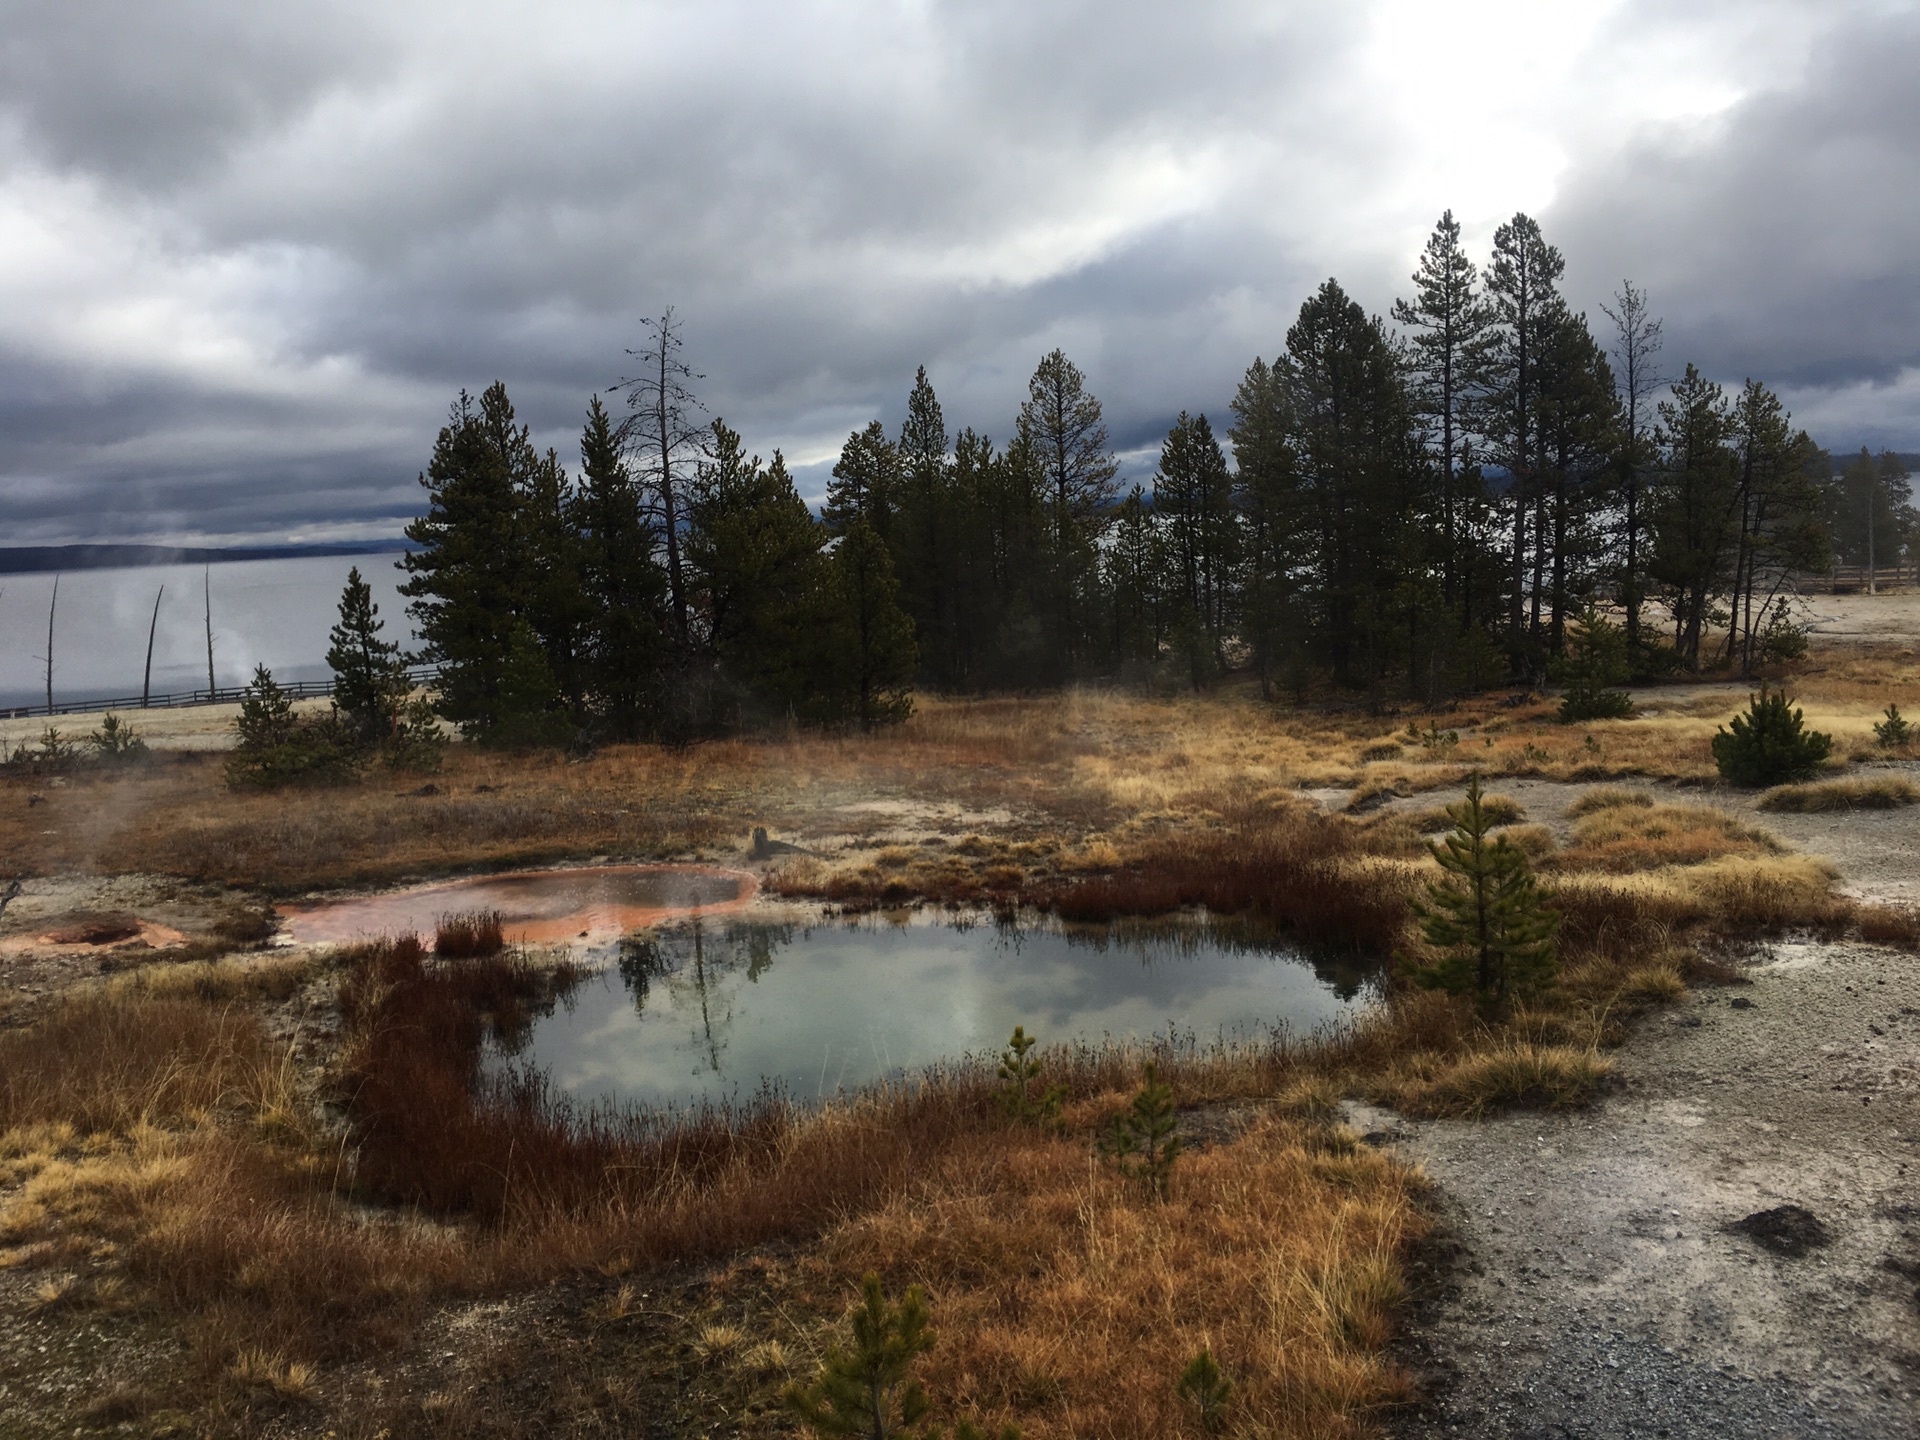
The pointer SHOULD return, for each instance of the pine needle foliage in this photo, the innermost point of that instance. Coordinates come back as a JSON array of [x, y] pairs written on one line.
[[1892, 732], [1486, 914], [1144, 1139], [1595, 662], [1021, 1095], [1205, 1386], [1770, 744], [868, 1390]]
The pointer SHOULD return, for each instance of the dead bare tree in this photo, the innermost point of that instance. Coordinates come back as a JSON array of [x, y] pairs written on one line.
[[146, 676], [666, 439], [51, 604]]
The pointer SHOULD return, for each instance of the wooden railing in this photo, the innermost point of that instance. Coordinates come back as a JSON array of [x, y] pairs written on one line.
[[1848, 579], [223, 695]]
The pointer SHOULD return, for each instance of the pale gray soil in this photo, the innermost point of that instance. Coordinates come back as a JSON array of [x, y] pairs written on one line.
[[1599, 1292], [1593, 1288]]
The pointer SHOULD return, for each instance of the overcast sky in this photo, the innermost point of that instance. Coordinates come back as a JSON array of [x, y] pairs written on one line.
[[249, 252]]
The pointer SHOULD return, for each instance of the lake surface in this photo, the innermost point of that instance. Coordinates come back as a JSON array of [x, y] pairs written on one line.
[[537, 907], [709, 1012], [270, 612]]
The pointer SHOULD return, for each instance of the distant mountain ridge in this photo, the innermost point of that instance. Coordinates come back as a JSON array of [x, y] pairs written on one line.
[[38, 559]]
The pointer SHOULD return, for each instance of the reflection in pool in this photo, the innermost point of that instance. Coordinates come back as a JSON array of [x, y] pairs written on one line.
[[536, 906], [711, 1011]]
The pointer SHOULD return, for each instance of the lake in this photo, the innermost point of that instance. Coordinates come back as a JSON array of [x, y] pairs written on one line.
[[271, 612], [710, 1011]]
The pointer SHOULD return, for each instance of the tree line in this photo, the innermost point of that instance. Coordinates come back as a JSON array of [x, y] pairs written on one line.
[[1410, 508]]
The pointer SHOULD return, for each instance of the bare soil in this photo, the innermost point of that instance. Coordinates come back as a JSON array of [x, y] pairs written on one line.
[[1594, 1281]]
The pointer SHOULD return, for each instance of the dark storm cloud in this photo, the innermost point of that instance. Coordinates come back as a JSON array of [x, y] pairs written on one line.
[[256, 249], [1779, 239]]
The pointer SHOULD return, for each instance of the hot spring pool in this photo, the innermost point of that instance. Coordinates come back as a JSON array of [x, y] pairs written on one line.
[[711, 1010]]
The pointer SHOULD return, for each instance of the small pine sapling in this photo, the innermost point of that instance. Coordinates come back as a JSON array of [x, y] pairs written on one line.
[[1770, 744], [1144, 1139], [1894, 731], [1596, 661], [1205, 1386], [1022, 1097], [868, 1390], [1486, 913], [117, 743]]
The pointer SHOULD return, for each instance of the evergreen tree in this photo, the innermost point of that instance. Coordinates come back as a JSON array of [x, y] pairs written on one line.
[[1271, 500], [873, 646], [1193, 499], [1580, 436], [1868, 511], [556, 607], [369, 677], [1143, 1140], [1595, 662], [1451, 339], [1358, 478], [866, 483], [1692, 507], [927, 532], [869, 1390], [1062, 430], [1134, 563], [468, 582], [1769, 744], [1778, 517], [1522, 283], [1486, 913], [622, 585], [1637, 343], [754, 553]]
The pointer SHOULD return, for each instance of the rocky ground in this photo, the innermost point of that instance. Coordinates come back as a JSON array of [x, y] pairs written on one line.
[[1593, 1277]]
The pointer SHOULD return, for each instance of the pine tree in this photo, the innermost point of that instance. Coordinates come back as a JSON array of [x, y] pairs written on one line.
[[1205, 1386], [666, 442], [1134, 563], [1522, 286], [1637, 343], [369, 677], [1693, 506], [866, 483], [468, 582], [622, 585], [1450, 347], [923, 544], [1062, 429], [1769, 744], [1144, 1139], [1595, 662], [1022, 1096], [1487, 913], [872, 639], [1193, 498], [869, 1389], [754, 556]]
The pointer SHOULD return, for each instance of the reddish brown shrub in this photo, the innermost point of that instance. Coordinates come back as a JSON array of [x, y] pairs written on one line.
[[469, 936], [1296, 874]]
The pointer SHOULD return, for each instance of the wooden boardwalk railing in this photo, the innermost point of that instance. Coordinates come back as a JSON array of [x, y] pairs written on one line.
[[223, 695]]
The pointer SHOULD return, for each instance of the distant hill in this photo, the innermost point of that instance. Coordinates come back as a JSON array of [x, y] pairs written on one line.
[[38, 559]]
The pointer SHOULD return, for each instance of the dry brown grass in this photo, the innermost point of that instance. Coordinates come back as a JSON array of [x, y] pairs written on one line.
[[111, 1063], [150, 1134], [1867, 792], [1623, 838], [1069, 1302]]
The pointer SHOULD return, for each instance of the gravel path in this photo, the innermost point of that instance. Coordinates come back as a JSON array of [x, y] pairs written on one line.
[[1596, 1289]]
